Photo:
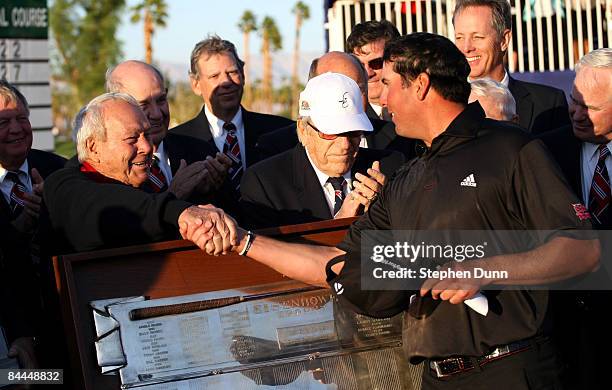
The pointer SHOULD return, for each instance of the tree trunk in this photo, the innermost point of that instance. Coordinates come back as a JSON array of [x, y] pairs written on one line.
[[148, 33], [248, 91], [294, 72], [267, 73]]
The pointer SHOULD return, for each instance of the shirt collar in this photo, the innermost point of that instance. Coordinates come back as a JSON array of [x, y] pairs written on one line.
[[465, 125], [322, 176], [216, 124], [505, 80], [161, 153], [590, 150], [23, 169]]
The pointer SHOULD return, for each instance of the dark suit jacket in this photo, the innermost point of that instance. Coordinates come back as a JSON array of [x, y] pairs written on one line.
[[19, 293], [190, 149], [581, 324], [255, 124], [383, 137], [284, 189], [540, 108], [87, 215]]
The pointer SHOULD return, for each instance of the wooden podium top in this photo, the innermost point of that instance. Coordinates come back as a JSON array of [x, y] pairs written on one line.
[[158, 270]]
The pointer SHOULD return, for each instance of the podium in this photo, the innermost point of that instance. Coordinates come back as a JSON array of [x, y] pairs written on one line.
[[159, 270]]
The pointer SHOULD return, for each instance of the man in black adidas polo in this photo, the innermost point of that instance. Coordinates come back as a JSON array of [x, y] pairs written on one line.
[[474, 174]]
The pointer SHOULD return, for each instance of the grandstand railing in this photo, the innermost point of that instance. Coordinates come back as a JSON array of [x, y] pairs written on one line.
[[548, 35]]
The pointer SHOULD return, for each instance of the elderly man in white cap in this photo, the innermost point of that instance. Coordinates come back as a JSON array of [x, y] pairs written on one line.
[[327, 175]]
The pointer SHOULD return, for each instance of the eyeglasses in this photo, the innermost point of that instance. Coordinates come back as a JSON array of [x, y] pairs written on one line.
[[331, 137], [376, 63]]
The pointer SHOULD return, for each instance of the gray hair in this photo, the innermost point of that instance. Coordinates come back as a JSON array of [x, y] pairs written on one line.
[[600, 58], [212, 45], [89, 122], [10, 94], [500, 11], [486, 87], [113, 85]]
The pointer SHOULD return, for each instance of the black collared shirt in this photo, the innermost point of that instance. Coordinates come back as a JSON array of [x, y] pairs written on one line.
[[518, 187]]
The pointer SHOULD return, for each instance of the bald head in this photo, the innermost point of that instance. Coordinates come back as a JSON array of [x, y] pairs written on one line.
[[146, 84], [343, 63]]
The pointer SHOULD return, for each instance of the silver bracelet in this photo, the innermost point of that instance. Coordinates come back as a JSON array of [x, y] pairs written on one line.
[[249, 242]]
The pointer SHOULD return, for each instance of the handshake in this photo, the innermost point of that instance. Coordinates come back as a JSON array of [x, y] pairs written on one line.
[[210, 229]]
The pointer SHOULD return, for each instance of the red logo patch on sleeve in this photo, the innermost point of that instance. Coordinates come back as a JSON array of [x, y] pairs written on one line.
[[581, 211]]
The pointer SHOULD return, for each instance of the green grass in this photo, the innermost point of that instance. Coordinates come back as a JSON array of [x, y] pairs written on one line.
[[65, 147]]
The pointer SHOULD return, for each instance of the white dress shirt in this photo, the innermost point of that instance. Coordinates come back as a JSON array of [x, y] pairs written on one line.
[[219, 134], [7, 185], [328, 189], [164, 162], [589, 157], [505, 80]]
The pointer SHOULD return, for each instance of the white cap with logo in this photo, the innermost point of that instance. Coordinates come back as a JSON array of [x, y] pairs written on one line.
[[334, 103]]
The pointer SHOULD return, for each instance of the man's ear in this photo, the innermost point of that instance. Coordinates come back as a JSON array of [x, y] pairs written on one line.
[[505, 40], [92, 148], [422, 85], [195, 84]]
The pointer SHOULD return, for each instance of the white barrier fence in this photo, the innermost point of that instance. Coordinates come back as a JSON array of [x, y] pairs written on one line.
[[547, 35]]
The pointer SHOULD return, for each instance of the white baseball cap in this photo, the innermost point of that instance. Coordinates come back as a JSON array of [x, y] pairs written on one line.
[[334, 103]]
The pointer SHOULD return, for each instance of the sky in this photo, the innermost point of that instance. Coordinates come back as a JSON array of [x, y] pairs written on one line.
[[192, 20]]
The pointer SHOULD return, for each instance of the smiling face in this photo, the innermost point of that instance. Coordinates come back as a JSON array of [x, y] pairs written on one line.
[[220, 83], [143, 83], [332, 157], [480, 43], [126, 153], [15, 134], [366, 53], [590, 105], [400, 101]]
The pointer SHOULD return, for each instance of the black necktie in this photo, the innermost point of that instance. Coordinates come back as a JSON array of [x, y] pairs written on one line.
[[338, 185]]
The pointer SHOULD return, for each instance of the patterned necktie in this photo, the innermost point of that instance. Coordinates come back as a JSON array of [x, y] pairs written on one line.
[[338, 185], [599, 196], [17, 194], [232, 149], [156, 177]]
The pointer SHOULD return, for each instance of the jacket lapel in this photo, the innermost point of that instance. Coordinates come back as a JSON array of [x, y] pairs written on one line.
[[524, 103]]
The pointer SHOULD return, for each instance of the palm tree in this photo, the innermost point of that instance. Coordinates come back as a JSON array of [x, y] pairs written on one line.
[[271, 41], [155, 15], [302, 12], [247, 24]]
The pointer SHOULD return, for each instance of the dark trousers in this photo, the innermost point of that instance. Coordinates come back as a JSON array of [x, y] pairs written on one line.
[[534, 369]]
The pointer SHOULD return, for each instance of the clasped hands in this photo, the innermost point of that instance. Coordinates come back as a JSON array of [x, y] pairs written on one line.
[[203, 176], [365, 191], [210, 229]]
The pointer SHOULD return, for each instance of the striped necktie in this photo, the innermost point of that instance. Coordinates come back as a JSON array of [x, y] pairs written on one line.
[[338, 185], [232, 149], [156, 177], [17, 194], [599, 196]]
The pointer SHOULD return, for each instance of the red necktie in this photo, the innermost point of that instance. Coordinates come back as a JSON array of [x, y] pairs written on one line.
[[156, 177], [17, 194], [599, 196], [232, 149]]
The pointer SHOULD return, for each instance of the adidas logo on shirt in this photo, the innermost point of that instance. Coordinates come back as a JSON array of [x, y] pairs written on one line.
[[469, 181]]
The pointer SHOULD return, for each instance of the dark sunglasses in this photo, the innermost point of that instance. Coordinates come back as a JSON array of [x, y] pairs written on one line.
[[331, 137], [376, 63]]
